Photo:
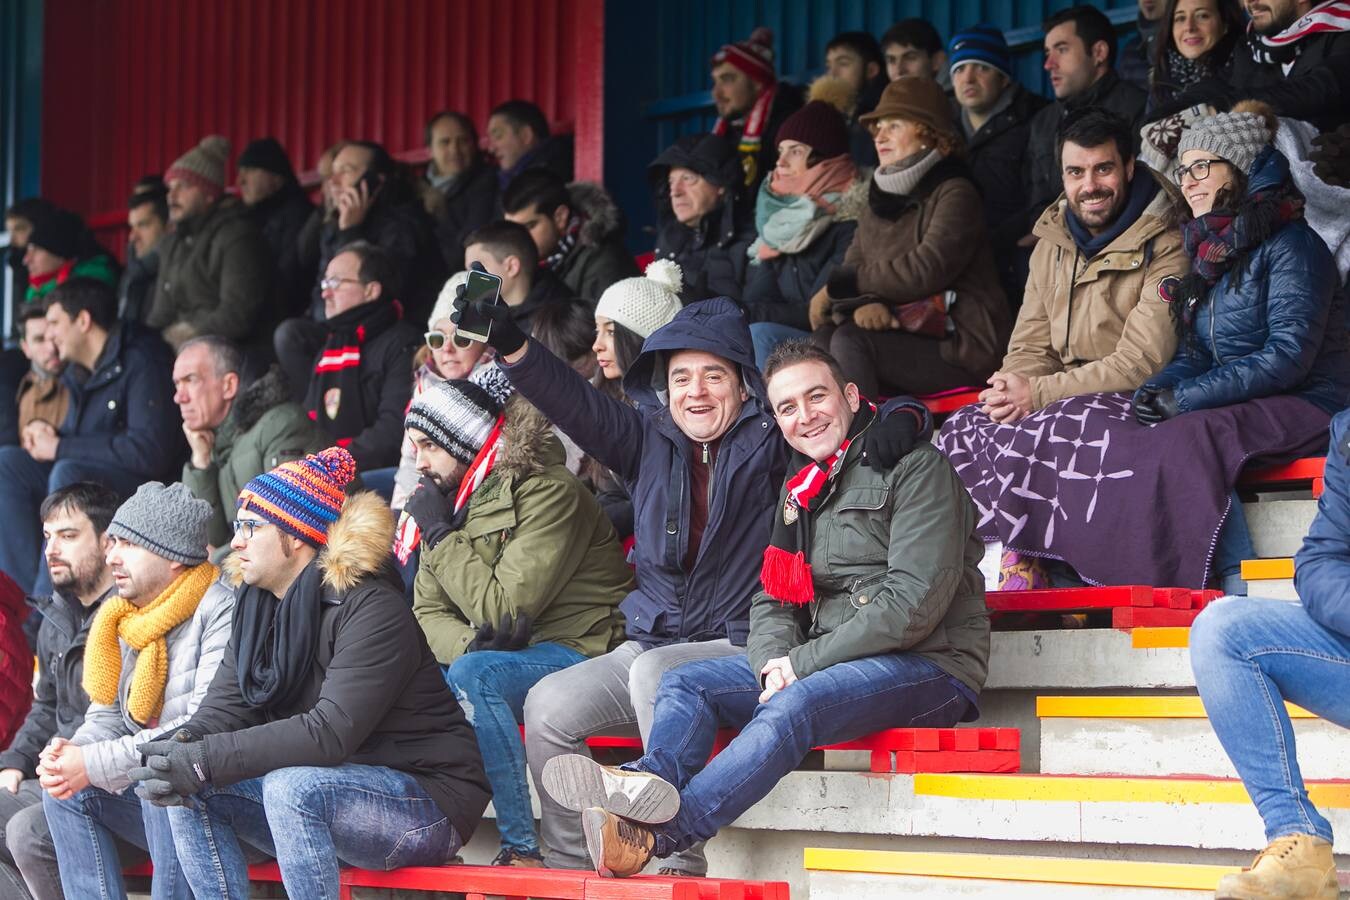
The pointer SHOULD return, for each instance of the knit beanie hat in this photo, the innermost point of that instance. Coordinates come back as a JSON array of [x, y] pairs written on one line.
[[60, 233], [1238, 136], [915, 99], [445, 300], [267, 154], [819, 126], [458, 416], [304, 497], [754, 57], [644, 304], [166, 520], [492, 378], [203, 165], [980, 44]]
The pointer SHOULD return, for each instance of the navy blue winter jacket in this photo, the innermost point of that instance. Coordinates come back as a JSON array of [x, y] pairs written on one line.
[[1269, 327], [1322, 567], [123, 415], [643, 446]]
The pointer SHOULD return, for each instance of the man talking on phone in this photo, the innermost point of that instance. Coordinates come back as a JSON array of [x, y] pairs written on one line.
[[703, 461]]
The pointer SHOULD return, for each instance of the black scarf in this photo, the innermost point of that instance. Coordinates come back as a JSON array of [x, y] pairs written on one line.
[[786, 571], [275, 640], [334, 397]]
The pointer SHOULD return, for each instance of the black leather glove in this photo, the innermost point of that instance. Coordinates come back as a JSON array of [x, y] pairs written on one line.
[[511, 633], [1330, 156], [505, 335], [430, 509], [1166, 404], [1153, 405], [890, 438], [173, 769]]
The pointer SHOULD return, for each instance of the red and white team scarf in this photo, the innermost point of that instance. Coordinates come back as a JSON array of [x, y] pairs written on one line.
[[1330, 17], [408, 536]]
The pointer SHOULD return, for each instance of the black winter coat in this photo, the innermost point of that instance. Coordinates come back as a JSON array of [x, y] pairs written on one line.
[[466, 204], [713, 255], [780, 289], [123, 415], [59, 701], [599, 258], [280, 218], [374, 696]]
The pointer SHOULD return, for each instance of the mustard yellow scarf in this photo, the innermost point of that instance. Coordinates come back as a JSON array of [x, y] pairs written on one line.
[[142, 629]]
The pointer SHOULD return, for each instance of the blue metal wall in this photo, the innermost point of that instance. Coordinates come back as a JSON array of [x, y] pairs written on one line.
[[657, 52]]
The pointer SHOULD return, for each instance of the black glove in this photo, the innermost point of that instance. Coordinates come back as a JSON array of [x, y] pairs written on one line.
[[430, 509], [505, 335], [891, 438], [1153, 405], [1330, 156], [512, 633], [173, 769], [843, 283]]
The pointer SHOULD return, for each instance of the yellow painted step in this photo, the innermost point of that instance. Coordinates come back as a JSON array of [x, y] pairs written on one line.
[[1109, 789], [1267, 569], [1133, 708], [1159, 638], [1116, 873]]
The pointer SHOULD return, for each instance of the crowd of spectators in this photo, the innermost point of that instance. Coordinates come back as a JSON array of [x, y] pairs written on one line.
[[297, 546]]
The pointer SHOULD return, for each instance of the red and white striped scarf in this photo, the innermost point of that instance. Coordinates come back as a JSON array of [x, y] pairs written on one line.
[[1330, 17], [408, 536]]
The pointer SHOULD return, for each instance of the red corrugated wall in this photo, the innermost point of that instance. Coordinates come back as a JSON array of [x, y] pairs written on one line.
[[128, 85]]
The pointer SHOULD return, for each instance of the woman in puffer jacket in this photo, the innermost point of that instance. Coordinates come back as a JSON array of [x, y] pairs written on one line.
[[1258, 315]]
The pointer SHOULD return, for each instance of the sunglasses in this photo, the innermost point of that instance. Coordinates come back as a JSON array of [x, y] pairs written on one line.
[[436, 340]]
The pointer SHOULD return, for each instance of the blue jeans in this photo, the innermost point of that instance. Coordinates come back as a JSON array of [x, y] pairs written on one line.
[[381, 481], [491, 686], [838, 703], [764, 336], [24, 484], [1250, 656], [1234, 544], [85, 829], [310, 818]]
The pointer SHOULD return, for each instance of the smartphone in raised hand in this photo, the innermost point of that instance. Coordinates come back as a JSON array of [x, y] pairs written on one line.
[[480, 286]]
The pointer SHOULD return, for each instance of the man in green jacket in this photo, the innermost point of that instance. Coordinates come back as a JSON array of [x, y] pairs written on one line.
[[236, 433], [871, 616], [520, 575]]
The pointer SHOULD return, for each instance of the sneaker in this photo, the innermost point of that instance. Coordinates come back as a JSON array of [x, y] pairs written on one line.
[[672, 872], [619, 848], [1021, 573], [1294, 867], [520, 859], [578, 782]]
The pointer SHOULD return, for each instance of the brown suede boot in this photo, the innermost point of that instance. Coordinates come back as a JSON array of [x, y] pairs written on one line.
[[619, 848], [1293, 867]]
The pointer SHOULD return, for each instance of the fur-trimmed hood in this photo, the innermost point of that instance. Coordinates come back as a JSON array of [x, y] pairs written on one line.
[[854, 200], [528, 443], [259, 398], [603, 217], [358, 546]]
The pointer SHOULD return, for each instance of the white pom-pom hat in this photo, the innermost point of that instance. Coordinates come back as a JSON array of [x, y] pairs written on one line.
[[644, 304]]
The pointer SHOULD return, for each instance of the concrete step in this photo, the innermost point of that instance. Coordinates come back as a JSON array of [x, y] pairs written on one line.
[[1270, 578], [1163, 736], [873, 875], [1085, 659], [1278, 526]]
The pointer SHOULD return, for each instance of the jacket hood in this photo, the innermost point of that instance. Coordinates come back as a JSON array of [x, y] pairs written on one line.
[[358, 546], [854, 201], [1157, 217], [602, 214], [710, 155], [1270, 169], [715, 326], [271, 390], [528, 443]]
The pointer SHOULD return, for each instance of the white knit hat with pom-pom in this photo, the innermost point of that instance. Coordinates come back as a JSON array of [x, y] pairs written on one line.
[[644, 304]]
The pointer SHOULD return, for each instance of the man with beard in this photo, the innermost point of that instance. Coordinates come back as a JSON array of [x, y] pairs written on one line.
[[1104, 247], [1296, 57]]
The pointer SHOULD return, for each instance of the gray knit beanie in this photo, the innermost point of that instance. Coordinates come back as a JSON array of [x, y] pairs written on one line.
[[167, 521], [203, 165], [1238, 136]]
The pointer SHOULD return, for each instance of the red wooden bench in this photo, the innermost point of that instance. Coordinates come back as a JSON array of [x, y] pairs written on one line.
[[949, 401], [1131, 605], [479, 882], [1299, 473]]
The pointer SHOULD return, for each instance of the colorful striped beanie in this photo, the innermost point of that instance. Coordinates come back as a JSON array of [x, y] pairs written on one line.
[[304, 497]]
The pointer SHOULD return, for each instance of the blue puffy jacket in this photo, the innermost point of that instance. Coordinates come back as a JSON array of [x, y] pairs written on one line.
[[1322, 566], [1271, 328], [643, 446]]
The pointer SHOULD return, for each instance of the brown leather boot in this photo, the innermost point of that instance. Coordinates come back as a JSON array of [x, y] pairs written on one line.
[[619, 848], [1294, 867]]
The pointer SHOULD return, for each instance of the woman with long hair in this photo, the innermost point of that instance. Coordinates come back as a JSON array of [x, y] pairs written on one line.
[[1196, 42]]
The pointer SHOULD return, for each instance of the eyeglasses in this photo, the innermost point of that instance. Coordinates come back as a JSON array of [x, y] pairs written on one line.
[[436, 340], [332, 284], [249, 527], [1199, 170]]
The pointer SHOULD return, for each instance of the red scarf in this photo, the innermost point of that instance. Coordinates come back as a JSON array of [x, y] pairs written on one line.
[[753, 134], [786, 572], [408, 535]]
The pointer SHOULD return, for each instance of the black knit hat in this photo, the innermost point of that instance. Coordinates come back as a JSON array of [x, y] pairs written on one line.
[[819, 126], [457, 415], [710, 155], [61, 234], [267, 154]]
